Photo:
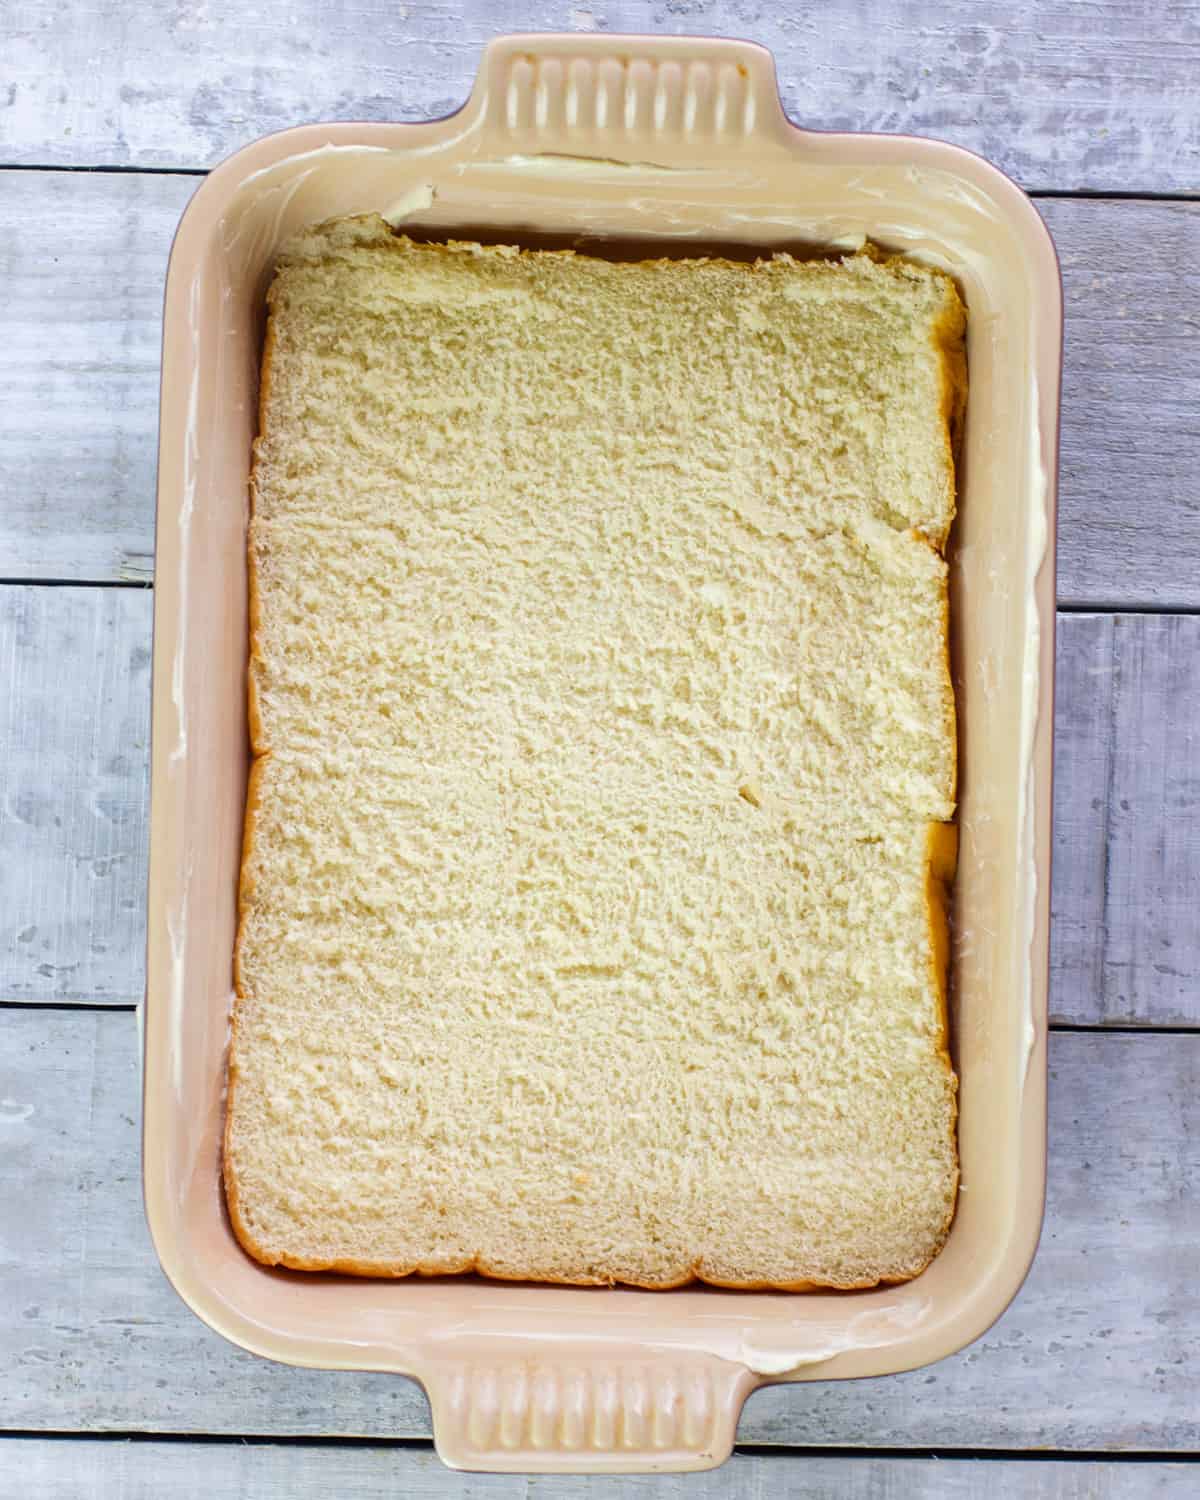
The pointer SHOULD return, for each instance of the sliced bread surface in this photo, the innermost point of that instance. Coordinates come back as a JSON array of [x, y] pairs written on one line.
[[592, 902]]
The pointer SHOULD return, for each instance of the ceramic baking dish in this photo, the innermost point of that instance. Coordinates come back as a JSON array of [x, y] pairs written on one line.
[[679, 144]]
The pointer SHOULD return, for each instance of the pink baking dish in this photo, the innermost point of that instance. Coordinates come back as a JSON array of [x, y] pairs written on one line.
[[676, 143]]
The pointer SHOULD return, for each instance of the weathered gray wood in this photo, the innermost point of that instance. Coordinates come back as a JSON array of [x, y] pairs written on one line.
[[98, 1470], [1126, 894], [1061, 95], [84, 257], [74, 782], [83, 261], [1126, 944], [1129, 516], [1098, 1352]]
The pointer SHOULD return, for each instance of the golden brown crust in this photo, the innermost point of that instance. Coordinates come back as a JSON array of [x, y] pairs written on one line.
[[397, 1271], [942, 846], [943, 859], [949, 336], [941, 854], [949, 339], [254, 723], [478, 1266], [253, 804], [948, 342]]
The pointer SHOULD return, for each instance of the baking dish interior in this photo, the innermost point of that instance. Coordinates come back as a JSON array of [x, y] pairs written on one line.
[[490, 172]]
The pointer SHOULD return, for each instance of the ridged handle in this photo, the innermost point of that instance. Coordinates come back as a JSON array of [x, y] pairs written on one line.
[[545, 1414], [633, 98]]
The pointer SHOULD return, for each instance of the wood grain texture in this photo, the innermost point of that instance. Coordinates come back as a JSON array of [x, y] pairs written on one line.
[[1126, 893], [1125, 940], [1098, 1352], [1129, 497], [84, 260], [1061, 95], [121, 1470], [1125, 946], [74, 784]]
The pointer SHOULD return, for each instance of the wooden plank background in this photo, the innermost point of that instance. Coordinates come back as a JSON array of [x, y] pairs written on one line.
[[190, 1471], [1060, 94], [84, 259], [1098, 1352], [1094, 106], [75, 785], [74, 719]]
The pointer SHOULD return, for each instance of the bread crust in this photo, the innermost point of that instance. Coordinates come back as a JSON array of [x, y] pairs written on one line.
[[941, 853], [478, 1266], [949, 342], [258, 751]]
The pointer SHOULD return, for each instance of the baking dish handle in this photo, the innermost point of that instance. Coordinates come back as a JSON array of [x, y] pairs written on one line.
[[536, 1412], [635, 99]]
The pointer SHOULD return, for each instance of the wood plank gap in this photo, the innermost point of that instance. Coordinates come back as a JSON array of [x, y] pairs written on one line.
[[98, 1005], [1095, 195], [1083, 607], [1074, 607], [774, 1452], [78, 583], [1039, 195], [973, 1455], [112, 169], [1070, 1027], [253, 1440], [1117, 195], [1119, 1029]]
